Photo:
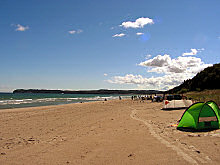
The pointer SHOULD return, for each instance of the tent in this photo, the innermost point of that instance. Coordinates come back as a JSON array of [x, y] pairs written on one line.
[[176, 104], [200, 116]]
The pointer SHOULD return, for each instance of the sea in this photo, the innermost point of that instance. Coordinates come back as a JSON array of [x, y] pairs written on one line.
[[21, 100]]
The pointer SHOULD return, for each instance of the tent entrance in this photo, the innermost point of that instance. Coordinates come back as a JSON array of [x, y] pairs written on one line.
[[207, 119]]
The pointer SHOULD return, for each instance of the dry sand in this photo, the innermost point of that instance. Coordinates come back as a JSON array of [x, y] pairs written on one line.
[[111, 132]]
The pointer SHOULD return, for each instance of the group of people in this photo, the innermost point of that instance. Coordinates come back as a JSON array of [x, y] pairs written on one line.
[[142, 98], [152, 98]]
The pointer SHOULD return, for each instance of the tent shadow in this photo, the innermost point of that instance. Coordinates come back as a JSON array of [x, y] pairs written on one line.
[[196, 130], [173, 109]]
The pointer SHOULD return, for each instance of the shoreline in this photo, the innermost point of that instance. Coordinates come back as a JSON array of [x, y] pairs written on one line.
[[45, 107], [102, 132], [3, 109], [10, 100]]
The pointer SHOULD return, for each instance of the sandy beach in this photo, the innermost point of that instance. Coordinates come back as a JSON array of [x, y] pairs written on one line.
[[104, 132]]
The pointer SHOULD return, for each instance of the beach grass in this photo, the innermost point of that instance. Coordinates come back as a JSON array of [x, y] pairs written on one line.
[[205, 95]]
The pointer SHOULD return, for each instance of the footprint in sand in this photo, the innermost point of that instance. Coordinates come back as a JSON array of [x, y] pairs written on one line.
[[179, 151]]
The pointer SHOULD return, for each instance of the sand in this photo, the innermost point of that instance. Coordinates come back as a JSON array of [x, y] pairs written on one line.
[[108, 132]]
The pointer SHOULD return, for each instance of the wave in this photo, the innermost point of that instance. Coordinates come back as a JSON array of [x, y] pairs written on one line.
[[59, 100]]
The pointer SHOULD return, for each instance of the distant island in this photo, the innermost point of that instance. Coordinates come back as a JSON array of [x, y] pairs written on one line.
[[100, 91], [209, 78]]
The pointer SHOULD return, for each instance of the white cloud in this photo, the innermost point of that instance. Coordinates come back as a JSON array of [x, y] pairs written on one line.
[[200, 50], [138, 34], [157, 61], [148, 56], [164, 64], [174, 72], [105, 74], [75, 31], [21, 28], [119, 35], [193, 52], [162, 82], [128, 79], [72, 31], [139, 23]]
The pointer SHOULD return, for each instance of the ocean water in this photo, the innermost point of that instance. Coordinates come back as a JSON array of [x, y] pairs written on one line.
[[20, 100]]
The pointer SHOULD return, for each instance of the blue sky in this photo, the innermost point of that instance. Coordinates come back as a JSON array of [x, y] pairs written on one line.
[[84, 44]]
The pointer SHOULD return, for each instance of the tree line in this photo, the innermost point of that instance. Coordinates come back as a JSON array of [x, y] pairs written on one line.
[[209, 78]]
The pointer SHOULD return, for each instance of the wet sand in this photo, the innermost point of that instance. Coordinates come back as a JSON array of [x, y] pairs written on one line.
[[108, 132]]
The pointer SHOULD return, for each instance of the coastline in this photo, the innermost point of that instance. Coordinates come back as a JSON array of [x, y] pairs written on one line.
[[102, 132], [23, 100]]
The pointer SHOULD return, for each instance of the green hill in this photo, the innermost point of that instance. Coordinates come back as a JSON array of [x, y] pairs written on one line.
[[209, 78]]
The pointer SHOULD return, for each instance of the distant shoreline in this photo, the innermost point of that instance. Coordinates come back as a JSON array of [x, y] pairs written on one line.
[[101, 91]]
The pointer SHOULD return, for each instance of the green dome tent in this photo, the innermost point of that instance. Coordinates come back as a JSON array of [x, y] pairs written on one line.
[[201, 116]]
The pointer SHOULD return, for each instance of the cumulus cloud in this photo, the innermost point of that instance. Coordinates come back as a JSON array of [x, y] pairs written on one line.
[[105, 74], [193, 52], [139, 23], [174, 72], [148, 56], [21, 28], [139, 34], [128, 79], [75, 31], [165, 64], [157, 61], [72, 31], [163, 82], [119, 35]]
